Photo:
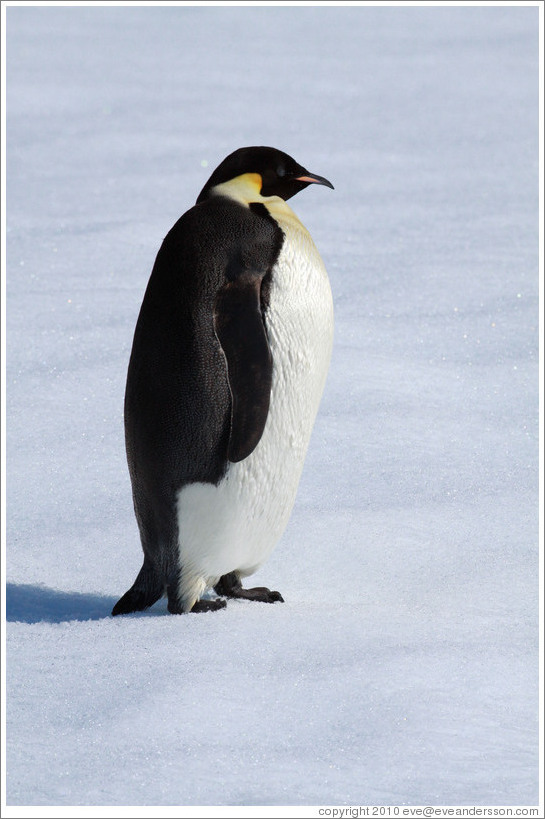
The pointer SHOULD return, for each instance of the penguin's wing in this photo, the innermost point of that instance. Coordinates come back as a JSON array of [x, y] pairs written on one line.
[[238, 322]]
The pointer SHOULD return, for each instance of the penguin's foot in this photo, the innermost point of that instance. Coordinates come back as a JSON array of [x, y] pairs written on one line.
[[208, 605], [230, 586], [200, 605]]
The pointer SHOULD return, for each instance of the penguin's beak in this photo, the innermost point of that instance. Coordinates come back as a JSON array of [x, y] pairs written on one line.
[[319, 180]]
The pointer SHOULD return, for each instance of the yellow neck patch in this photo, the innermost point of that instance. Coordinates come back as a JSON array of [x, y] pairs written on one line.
[[245, 188]]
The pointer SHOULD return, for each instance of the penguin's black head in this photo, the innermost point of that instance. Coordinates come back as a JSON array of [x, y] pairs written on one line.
[[280, 175]]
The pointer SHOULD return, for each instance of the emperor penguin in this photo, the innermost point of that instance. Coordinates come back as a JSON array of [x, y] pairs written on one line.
[[228, 364]]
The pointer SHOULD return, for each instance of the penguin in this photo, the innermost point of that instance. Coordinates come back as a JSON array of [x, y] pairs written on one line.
[[228, 364]]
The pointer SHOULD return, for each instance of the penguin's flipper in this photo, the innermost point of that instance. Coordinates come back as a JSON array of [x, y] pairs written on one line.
[[238, 322]]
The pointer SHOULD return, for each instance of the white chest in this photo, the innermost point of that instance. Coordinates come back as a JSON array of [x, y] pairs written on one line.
[[300, 327], [234, 526]]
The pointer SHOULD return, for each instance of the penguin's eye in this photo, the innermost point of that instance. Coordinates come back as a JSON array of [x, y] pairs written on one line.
[[280, 171]]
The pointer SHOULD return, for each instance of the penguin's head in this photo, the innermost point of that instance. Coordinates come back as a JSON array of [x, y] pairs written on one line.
[[275, 173]]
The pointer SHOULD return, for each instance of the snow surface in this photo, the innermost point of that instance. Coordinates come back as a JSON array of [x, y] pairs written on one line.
[[402, 668]]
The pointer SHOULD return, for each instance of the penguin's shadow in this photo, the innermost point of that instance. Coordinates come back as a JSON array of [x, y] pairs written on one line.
[[26, 603]]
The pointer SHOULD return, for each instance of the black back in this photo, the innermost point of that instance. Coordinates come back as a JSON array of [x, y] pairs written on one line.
[[211, 271]]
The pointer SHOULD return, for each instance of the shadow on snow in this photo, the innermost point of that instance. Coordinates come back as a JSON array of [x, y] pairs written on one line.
[[26, 603]]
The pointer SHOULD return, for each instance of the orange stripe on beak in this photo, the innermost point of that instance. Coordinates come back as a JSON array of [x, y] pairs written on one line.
[[319, 180]]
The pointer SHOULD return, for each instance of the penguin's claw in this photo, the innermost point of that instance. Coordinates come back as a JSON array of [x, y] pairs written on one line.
[[275, 597]]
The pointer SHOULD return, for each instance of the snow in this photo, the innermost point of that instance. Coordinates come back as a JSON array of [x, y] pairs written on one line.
[[403, 667]]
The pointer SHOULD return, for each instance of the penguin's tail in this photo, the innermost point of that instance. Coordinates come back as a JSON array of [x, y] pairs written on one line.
[[146, 590]]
